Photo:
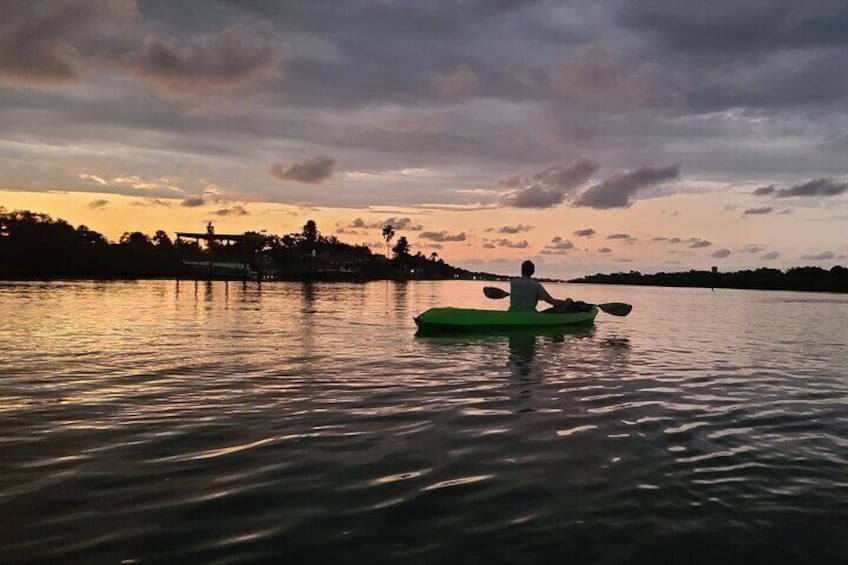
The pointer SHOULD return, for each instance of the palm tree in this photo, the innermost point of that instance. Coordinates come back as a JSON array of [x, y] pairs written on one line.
[[388, 234]]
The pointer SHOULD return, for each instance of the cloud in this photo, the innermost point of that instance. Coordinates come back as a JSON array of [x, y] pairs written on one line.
[[604, 250], [314, 170], [405, 223], [721, 253], [696, 243], [44, 41], [193, 202], [586, 232], [548, 187], [132, 184], [770, 255], [594, 76], [343, 230], [503, 242], [441, 236], [758, 211], [489, 245], [98, 204], [153, 202], [558, 246], [233, 211], [360, 223], [624, 236], [229, 60], [823, 256], [615, 191], [459, 82], [510, 229], [752, 248], [816, 187]]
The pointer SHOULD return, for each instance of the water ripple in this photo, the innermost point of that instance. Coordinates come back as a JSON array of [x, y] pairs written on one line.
[[145, 422]]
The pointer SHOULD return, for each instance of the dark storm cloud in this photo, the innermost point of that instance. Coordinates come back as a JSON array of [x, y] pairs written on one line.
[[228, 60], [389, 84], [511, 229], [721, 253], [314, 170], [594, 75], [724, 26], [549, 186], [615, 191], [816, 187], [42, 41], [586, 232], [823, 256], [758, 211], [441, 236], [764, 190]]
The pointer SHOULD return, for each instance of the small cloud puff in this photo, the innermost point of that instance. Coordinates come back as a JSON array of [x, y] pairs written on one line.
[[314, 170]]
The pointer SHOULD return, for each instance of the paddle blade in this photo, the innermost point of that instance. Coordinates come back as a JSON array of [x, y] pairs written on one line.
[[494, 292], [616, 308]]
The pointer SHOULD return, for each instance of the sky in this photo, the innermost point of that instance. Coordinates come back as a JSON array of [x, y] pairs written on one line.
[[588, 135]]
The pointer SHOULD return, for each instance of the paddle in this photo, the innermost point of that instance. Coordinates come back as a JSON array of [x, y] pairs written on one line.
[[614, 308]]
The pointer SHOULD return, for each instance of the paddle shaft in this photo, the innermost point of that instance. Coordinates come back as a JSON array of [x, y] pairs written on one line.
[[614, 308]]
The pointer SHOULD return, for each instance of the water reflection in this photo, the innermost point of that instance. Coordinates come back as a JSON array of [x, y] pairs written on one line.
[[310, 292], [306, 422]]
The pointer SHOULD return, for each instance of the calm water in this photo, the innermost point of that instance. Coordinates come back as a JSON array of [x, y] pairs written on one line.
[[220, 423]]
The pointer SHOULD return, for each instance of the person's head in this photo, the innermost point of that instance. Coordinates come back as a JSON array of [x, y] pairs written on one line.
[[527, 269]]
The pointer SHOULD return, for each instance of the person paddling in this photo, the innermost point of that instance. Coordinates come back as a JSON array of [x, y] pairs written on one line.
[[525, 292]]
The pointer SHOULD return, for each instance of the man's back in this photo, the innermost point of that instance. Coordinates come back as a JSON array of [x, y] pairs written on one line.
[[524, 293]]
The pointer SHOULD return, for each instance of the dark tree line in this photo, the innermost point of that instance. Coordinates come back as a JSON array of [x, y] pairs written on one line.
[[35, 245], [795, 278]]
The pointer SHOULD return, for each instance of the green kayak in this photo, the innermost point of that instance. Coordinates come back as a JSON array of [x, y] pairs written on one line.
[[468, 319]]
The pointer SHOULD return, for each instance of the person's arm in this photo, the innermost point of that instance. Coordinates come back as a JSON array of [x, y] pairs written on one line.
[[543, 295]]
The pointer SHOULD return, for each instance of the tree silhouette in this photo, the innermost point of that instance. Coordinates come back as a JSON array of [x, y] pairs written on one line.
[[388, 234], [162, 241], [310, 232], [401, 248]]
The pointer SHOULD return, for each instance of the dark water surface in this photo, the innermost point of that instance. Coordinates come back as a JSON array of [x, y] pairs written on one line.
[[219, 423]]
